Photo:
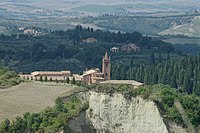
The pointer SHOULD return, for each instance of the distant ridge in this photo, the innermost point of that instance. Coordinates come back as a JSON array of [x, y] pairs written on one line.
[[191, 29]]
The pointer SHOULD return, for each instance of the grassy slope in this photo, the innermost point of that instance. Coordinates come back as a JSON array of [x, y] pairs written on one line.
[[188, 29], [29, 97]]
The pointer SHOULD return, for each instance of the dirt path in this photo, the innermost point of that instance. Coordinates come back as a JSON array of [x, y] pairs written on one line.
[[29, 97]]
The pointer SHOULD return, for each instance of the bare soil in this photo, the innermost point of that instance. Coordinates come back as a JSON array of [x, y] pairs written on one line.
[[29, 97]]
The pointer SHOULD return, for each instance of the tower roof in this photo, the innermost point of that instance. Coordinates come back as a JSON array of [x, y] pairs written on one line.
[[106, 56]]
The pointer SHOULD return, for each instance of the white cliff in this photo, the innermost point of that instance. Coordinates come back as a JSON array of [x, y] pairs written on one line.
[[115, 114]]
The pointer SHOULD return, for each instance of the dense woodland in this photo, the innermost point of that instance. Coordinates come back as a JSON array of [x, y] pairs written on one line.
[[26, 53], [183, 74]]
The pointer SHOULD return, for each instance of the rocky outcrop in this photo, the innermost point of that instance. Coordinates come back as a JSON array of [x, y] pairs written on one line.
[[116, 114]]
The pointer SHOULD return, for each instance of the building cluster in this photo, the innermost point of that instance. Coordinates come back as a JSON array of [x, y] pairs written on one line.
[[90, 76], [29, 31], [125, 47]]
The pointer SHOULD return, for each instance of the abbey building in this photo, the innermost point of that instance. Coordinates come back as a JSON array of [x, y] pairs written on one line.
[[96, 75]]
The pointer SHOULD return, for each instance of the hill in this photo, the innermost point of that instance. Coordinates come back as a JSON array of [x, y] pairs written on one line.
[[191, 29], [167, 109], [65, 50], [30, 97]]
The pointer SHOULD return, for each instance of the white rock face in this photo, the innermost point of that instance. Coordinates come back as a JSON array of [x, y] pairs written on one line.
[[115, 114]]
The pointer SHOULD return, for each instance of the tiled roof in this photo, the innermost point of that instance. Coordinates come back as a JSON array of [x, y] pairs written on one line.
[[52, 73]]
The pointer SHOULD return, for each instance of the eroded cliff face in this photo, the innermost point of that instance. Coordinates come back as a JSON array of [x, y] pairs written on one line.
[[115, 114]]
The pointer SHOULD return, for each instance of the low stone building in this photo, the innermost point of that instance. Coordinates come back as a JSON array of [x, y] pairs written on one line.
[[50, 75]]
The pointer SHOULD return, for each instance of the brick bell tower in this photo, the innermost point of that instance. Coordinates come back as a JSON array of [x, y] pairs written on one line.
[[106, 66]]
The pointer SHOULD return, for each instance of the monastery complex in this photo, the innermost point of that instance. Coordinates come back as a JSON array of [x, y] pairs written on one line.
[[90, 76]]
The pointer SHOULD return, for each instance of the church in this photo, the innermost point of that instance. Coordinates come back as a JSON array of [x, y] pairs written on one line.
[[103, 77], [96, 75]]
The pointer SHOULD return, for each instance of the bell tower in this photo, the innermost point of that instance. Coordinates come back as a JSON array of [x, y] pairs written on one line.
[[106, 66]]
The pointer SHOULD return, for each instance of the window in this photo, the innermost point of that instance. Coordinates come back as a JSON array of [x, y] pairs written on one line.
[[106, 65], [106, 74]]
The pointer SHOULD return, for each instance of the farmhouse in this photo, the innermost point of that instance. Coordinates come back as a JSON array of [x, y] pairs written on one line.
[[130, 47], [90, 40], [30, 31], [114, 49]]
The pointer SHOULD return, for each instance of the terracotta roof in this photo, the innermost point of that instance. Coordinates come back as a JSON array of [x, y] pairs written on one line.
[[50, 73], [88, 72]]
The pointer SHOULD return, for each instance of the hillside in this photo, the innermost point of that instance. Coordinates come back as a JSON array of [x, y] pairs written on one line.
[[191, 29], [24, 53], [30, 97], [120, 109]]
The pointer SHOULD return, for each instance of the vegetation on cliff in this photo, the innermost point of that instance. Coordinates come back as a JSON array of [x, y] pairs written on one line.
[[52, 119], [163, 95], [8, 78]]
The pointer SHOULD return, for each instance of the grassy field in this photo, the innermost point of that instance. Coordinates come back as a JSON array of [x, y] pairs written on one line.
[[29, 97]]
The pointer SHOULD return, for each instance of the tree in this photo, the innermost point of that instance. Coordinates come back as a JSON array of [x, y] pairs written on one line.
[[51, 79], [73, 81], [41, 78], [5, 126], [67, 80], [45, 79], [160, 58], [152, 58]]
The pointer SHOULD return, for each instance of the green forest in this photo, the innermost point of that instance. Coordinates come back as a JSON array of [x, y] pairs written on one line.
[[8, 78], [26, 53], [155, 62], [183, 74]]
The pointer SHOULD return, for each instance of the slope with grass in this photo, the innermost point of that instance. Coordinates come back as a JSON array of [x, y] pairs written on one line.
[[191, 29], [29, 97]]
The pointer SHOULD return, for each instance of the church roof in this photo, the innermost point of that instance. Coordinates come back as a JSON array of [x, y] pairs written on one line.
[[106, 55]]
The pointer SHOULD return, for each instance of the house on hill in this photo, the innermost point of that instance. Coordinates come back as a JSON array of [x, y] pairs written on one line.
[[114, 49], [90, 40], [130, 47]]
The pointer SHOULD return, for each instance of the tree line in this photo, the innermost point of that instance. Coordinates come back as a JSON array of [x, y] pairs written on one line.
[[183, 74]]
